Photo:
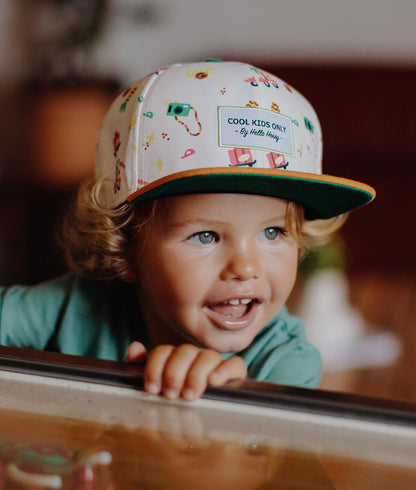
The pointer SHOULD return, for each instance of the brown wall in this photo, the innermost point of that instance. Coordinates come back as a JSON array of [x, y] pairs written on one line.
[[368, 117]]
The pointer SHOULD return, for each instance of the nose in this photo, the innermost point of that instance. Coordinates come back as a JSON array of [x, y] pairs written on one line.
[[242, 264]]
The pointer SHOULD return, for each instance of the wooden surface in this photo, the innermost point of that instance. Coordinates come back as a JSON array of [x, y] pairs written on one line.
[[159, 460], [387, 302], [147, 455]]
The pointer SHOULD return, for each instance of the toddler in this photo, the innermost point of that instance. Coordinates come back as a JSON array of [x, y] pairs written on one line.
[[184, 247]]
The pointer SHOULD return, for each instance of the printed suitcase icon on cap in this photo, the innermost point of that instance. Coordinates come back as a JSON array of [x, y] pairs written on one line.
[[241, 157]]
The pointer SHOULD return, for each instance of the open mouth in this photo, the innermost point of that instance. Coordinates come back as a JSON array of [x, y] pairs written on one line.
[[233, 314]]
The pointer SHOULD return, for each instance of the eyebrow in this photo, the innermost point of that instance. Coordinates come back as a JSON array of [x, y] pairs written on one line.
[[192, 222], [207, 223]]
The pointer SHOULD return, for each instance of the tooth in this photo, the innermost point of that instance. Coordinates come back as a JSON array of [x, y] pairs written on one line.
[[245, 301], [234, 302]]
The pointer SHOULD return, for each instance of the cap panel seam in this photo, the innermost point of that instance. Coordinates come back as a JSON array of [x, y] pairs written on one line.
[[147, 97]]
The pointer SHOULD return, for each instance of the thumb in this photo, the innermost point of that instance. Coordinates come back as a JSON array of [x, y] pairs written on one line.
[[136, 353]]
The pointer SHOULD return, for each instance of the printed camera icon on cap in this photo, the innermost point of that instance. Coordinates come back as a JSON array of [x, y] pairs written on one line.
[[176, 109]]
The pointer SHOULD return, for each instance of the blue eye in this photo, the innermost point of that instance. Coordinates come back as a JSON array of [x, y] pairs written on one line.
[[272, 233], [204, 237]]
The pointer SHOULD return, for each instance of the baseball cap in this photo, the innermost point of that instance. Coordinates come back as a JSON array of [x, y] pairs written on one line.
[[211, 127]]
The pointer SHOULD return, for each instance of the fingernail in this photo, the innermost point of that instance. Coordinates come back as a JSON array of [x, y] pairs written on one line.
[[171, 394], [152, 388], [188, 394]]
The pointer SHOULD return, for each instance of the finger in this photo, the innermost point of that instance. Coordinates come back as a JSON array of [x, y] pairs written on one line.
[[176, 369], [155, 366], [197, 378], [232, 368], [136, 352]]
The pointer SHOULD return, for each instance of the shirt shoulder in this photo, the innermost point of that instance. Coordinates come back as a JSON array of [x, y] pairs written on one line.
[[69, 314], [28, 313]]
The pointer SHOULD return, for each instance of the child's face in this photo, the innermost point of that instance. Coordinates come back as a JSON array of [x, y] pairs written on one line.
[[214, 269]]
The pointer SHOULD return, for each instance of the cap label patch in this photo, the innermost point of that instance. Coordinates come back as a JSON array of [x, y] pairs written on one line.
[[244, 127]]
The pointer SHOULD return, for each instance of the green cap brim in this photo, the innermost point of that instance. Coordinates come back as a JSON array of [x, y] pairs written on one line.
[[323, 196]]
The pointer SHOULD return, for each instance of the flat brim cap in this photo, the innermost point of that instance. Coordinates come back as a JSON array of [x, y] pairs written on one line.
[[213, 127]]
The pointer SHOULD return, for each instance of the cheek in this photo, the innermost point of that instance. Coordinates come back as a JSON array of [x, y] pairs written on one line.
[[187, 281], [283, 274], [173, 280], [292, 265]]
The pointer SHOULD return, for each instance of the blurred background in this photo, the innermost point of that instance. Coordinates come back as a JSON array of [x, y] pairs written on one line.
[[63, 61]]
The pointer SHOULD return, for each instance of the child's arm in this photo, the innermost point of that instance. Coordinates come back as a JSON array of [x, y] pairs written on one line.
[[184, 371]]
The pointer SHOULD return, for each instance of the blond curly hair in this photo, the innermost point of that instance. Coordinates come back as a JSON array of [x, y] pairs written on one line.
[[101, 242]]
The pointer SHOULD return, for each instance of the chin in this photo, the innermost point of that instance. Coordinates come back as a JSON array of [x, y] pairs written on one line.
[[226, 347]]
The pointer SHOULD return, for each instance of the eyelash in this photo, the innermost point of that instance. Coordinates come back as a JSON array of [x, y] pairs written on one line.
[[280, 232], [209, 237], [201, 236]]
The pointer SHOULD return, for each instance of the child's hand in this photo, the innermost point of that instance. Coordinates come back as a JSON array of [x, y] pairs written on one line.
[[184, 371]]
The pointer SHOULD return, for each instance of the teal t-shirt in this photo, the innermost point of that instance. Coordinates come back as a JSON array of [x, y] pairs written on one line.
[[79, 316]]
